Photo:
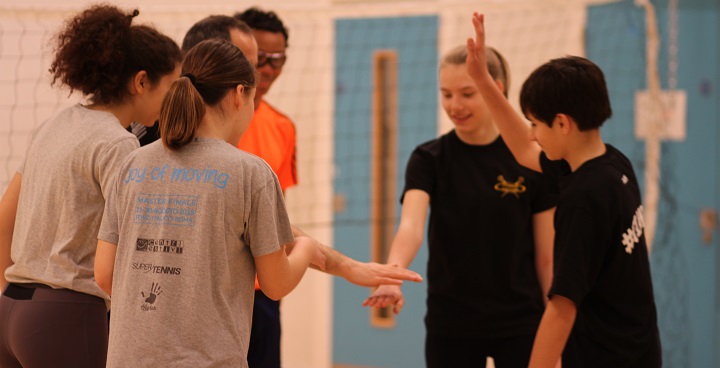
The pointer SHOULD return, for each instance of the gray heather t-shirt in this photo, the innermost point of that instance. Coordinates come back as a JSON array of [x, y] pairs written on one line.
[[70, 163], [187, 225]]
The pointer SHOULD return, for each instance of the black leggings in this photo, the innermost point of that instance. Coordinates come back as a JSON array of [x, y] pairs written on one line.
[[264, 349], [45, 327], [509, 352]]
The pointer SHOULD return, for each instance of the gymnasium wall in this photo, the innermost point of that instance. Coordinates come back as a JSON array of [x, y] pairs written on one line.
[[613, 35]]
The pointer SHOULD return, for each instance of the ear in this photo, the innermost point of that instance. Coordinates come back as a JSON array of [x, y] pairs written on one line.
[[140, 83], [240, 96], [565, 123]]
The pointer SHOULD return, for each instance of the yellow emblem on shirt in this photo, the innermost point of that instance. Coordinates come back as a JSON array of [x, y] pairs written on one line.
[[506, 187]]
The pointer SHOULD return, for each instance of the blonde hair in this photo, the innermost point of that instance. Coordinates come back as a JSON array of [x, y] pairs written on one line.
[[497, 65]]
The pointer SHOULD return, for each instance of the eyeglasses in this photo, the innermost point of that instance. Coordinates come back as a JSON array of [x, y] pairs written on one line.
[[275, 59]]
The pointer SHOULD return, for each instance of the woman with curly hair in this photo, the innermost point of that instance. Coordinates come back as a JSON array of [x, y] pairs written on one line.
[[52, 312]]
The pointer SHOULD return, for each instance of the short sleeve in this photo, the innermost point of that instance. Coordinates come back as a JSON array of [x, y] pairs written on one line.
[[268, 224], [420, 173], [110, 161], [580, 253], [109, 226]]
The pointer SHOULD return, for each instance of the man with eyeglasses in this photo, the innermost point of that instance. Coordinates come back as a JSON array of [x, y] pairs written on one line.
[[270, 135]]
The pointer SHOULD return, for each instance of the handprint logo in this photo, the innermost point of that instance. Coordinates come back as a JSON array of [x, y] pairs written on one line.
[[155, 290]]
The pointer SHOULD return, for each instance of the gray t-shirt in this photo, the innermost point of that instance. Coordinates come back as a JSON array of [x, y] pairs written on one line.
[[69, 165], [187, 225]]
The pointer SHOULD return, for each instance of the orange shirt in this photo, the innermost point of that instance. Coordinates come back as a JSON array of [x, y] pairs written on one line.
[[271, 136]]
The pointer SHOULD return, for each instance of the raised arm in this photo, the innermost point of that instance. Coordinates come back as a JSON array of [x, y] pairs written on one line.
[[513, 128], [544, 237], [8, 211], [360, 273], [105, 265], [404, 248]]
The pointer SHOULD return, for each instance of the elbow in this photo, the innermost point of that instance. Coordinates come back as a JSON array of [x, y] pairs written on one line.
[[104, 282], [275, 293]]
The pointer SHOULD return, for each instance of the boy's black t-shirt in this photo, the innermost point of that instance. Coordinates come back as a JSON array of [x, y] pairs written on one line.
[[482, 280], [601, 261]]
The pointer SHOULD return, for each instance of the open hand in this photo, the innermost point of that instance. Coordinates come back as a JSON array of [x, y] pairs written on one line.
[[476, 61], [374, 274], [384, 296]]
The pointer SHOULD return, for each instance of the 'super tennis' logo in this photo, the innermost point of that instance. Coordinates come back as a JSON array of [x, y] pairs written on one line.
[[159, 245]]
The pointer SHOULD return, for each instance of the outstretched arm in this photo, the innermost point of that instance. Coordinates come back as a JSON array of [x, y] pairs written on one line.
[[279, 272], [404, 247], [359, 273], [8, 211], [544, 237], [513, 128]]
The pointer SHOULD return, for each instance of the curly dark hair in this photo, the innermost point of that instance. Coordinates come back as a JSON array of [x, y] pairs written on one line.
[[98, 51], [263, 21]]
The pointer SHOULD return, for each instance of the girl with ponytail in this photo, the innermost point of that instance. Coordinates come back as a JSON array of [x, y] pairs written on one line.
[[190, 220], [52, 312]]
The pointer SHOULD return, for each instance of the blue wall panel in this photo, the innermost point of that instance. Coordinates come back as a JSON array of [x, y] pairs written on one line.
[[415, 41]]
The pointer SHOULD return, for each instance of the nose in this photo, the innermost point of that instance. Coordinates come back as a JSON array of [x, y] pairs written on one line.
[[454, 104], [532, 134]]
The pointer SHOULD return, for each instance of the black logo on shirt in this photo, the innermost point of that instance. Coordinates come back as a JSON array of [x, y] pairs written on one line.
[[506, 187], [149, 267], [151, 297], [159, 245]]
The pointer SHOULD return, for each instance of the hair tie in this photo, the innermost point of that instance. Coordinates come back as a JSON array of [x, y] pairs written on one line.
[[191, 77]]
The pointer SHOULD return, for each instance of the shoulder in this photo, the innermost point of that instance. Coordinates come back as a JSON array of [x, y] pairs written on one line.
[[434, 147], [268, 111], [246, 161]]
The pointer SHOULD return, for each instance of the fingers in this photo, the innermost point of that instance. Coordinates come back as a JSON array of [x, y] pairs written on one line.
[[399, 306], [380, 301], [381, 280], [394, 272]]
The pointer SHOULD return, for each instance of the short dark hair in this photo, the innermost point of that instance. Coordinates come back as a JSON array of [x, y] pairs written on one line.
[[213, 26], [263, 21], [571, 85], [99, 50]]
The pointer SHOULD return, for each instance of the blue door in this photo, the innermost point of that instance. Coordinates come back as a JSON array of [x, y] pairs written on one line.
[[685, 261], [414, 42]]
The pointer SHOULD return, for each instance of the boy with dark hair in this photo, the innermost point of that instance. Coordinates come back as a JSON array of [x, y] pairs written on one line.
[[601, 300]]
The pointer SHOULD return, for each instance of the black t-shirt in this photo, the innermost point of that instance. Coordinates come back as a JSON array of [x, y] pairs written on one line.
[[145, 135], [601, 261], [481, 275]]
